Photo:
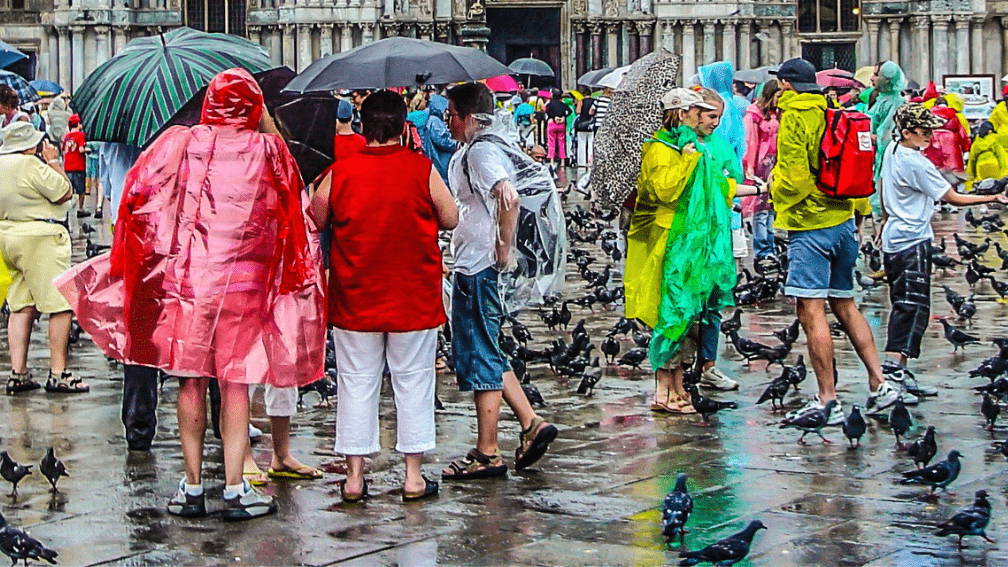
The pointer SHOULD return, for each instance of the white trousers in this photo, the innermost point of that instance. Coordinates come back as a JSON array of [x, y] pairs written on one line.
[[280, 402], [360, 358]]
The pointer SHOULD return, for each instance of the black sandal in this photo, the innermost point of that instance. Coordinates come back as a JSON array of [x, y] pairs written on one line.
[[430, 489], [18, 383], [353, 498], [67, 384]]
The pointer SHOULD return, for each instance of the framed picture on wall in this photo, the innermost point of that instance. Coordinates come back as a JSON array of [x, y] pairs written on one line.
[[978, 93]]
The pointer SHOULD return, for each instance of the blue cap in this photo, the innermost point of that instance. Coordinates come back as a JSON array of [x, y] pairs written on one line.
[[344, 111]]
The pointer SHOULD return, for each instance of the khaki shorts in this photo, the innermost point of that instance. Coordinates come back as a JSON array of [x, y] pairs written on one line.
[[686, 354], [33, 262]]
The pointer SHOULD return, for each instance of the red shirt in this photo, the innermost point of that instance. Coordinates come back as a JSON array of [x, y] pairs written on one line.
[[73, 151], [346, 144], [385, 264]]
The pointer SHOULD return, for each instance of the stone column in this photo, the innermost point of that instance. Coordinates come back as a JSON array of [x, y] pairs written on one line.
[[962, 26], [612, 44], [894, 41], [276, 45], [102, 47], [346, 37], [922, 33], [580, 49], [76, 57], [288, 46], [426, 30], [940, 49], [728, 47], [873, 41], [786, 45], [325, 40], [633, 39], [689, 64], [367, 33], [745, 46], [709, 49], [646, 32], [668, 37], [977, 46], [90, 56], [596, 41], [304, 54], [53, 54], [64, 58], [388, 9]]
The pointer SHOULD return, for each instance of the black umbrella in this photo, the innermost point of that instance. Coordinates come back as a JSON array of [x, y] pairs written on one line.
[[396, 62], [531, 66], [307, 123], [591, 78]]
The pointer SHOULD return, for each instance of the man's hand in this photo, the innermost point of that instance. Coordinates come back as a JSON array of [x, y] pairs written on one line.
[[49, 153], [1002, 198]]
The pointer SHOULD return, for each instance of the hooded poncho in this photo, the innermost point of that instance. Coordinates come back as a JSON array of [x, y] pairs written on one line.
[[213, 271], [891, 82]]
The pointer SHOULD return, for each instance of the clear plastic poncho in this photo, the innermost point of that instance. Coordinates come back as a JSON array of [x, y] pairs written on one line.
[[540, 243]]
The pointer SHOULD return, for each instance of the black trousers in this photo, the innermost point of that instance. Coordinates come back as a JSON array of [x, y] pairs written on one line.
[[909, 275], [141, 385]]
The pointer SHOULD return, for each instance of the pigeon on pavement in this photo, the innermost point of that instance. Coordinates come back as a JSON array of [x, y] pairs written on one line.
[[957, 337], [52, 468], [854, 427], [971, 520], [938, 475], [19, 546], [676, 510], [990, 410], [924, 449], [811, 421], [900, 421], [12, 472], [728, 551]]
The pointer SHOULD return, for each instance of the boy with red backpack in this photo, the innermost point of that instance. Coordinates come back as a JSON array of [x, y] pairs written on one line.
[[823, 245]]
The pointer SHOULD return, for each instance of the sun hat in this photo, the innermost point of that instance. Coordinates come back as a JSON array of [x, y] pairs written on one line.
[[18, 137], [800, 73], [683, 99]]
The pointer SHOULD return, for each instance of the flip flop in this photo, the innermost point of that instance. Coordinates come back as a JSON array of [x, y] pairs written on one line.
[[303, 473], [430, 490], [349, 498], [254, 478]]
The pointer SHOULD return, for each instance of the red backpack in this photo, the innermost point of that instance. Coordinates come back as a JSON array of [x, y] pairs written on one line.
[[846, 156]]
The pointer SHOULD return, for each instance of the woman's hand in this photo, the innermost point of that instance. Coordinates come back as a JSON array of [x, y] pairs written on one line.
[[49, 153], [689, 149]]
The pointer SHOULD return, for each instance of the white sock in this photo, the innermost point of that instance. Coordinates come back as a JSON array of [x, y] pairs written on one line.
[[232, 490], [194, 489]]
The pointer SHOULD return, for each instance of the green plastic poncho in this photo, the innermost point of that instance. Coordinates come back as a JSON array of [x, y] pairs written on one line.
[[698, 256], [891, 82]]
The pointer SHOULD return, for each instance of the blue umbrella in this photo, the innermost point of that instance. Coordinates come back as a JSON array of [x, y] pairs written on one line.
[[24, 91], [46, 88], [9, 54]]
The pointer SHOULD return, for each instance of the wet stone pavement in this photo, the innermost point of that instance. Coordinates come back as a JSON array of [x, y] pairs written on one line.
[[593, 500]]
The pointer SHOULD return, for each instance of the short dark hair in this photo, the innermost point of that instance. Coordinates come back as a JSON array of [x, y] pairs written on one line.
[[471, 98], [383, 116], [8, 96]]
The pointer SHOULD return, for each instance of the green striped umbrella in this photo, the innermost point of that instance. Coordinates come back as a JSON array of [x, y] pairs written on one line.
[[128, 98]]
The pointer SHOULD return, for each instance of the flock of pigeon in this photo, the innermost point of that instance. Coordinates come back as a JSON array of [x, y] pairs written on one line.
[[15, 542]]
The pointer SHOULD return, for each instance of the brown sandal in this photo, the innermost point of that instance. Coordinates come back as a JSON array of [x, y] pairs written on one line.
[[475, 465], [533, 442], [18, 383], [66, 384]]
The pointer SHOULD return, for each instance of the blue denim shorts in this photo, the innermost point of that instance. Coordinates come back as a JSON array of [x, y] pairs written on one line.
[[476, 322], [821, 262]]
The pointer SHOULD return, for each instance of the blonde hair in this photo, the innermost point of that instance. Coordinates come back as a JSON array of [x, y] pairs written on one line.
[[711, 96]]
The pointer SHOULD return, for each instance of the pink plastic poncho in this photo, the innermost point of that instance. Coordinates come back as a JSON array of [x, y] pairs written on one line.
[[213, 271]]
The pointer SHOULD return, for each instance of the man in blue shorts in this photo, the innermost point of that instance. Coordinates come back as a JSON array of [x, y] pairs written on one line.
[[483, 180]]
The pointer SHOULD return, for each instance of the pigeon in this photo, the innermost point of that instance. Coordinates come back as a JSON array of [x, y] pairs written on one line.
[[19, 546], [12, 472], [579, 330], [706, 407], [520, 370], [864, 281], [520, 333], [676, 510], [938, 475], [634, 357], [533, 395], [773, 355], [745, 347], [990, 410], [788, 334], [590, 378], [924, 449], [981, 270], [1001, 288], [998, 389], [734, 324], [91, 249], [957, 337], [971, 520], [967, 309], [992, 367], [775, 392], [944, 262], [86, 228], [622, 327], [900, 421], [955, 300], [728, 551], [811, 421], [796, 373], [854, 427], [325, 387], [565, 315], [641, 339], [1003, 254], [52, 468], [610, 347]]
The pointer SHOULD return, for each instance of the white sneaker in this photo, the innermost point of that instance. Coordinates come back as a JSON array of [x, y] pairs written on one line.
[[716, 380], [885, 397], [254, 432], [836, 416]]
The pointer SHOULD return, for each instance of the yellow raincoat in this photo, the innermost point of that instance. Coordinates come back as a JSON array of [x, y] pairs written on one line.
[[798, 203], [955, 102], [987, 160], [664, 174], [999, 119]]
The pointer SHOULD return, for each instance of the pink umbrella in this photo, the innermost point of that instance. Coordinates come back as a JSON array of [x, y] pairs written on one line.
[[836, 78], [502, 84]]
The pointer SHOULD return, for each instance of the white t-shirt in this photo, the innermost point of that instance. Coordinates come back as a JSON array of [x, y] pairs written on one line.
[[910, 186], [474, 239]]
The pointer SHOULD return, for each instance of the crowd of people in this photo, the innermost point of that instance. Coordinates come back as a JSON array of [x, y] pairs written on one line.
[[228, 270]]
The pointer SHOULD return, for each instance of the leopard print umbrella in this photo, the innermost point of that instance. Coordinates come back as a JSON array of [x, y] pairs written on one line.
[[634, 116]]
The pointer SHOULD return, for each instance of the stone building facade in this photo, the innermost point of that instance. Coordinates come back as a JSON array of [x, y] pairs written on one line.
[[929, 38]]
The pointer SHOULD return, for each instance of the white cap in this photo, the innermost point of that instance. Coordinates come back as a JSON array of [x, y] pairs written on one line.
[[684, 99]]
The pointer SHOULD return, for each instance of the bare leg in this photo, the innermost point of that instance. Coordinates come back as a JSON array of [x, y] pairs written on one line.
[[487, 417], [192, 420], [355, 474], [861, 336], [812, 315], [59, 334], [19, 330], [282, 458], [677, 382], [234, 428], [516, 400], [414, 480], [664, 388]]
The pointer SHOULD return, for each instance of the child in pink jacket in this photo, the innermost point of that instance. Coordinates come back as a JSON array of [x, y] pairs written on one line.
[[762, 120]]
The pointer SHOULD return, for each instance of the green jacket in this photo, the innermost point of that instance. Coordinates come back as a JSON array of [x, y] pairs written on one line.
[[796, 200]]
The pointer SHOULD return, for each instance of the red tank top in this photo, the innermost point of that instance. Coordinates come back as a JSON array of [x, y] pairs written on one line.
[[385, 264]]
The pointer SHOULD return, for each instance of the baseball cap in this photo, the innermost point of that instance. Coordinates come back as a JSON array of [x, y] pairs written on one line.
[[913, 115], [74, 120], [344, 111], [683, 99], [800, 73]]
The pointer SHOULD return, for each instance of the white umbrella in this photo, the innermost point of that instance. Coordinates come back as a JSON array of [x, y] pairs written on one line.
[[612, 80]]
